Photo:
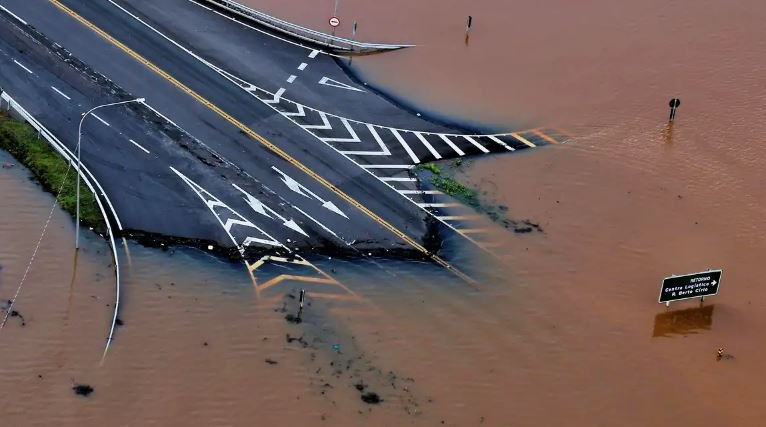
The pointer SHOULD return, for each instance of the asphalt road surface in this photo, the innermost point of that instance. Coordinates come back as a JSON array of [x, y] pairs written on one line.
[[246, 139]]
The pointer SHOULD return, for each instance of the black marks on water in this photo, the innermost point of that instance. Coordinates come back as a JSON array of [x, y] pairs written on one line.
[[271, 362], [82, 390], [293, 319], [290, 339]]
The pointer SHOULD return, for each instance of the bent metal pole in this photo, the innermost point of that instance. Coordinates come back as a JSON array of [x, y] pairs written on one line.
[[79, 162]]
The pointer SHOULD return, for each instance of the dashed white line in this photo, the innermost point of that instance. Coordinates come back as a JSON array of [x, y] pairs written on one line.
[[100, 119], [313, 54], [303, 66], [22, 66], [139, 146], [522, 139], [61, 93], [406, 147], [291, 78], [387, 166]]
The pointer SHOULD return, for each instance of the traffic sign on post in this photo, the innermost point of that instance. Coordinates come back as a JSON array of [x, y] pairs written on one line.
[[696, 285], [334, 21]]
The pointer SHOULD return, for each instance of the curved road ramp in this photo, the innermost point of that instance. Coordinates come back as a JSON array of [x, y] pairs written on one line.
[[294, 31]]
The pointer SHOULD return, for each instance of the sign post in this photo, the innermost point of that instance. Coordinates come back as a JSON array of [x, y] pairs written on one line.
[[695, 285]]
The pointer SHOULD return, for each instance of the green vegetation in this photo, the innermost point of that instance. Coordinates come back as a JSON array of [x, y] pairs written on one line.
[[450, 186], [21, 141]]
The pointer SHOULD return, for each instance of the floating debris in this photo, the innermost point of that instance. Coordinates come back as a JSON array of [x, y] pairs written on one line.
[[82, 389]]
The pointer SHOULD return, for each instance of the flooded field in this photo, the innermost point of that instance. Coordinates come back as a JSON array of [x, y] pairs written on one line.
[[564, 330]]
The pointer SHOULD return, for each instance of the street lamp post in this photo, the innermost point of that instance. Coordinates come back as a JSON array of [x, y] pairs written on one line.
[[79, 162]]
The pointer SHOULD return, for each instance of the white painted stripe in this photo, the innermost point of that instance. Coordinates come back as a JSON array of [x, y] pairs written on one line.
[[387, 166], [291, 78], [383, 149], [457, 217], [320, 224], [22, 66], [303, 66], [139, 146], [13, 14], [406, 147], [313, 54], [499, 141], [398, 179], [476, 144], [428, 145], [419, 192], [325, 123], [100, 119], [61, 93], [474, 230], [452, 145], [278, 95], [438, 205]]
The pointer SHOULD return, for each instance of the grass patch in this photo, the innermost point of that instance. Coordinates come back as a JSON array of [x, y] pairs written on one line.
[[449, 185], [49, 168], [430, 167]]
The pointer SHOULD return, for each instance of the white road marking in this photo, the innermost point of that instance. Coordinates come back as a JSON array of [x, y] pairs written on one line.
[[139, 146], [291, 78], [438, 205], [61, 93], [419, 191], [354, 137], [428, 145], [277, 96], [13, 14], [383, 149], [325, 123], [22, 66], [458, 217], [236, 219], [406, 147], [303, 66], [299, 188], [398, 179], [476, 144], [452, 145], [100, 119], [320, 224], [313, 54], [387, 166], [499, 141], [262, 209], [300, 113], [334, 83]]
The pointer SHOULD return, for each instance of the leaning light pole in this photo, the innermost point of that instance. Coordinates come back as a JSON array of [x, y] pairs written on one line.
[[79, 162]]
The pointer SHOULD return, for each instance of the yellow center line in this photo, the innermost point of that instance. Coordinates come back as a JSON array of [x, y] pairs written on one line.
[[262, 140]]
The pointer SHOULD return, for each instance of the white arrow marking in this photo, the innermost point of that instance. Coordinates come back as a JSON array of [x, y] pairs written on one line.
[[266, 211], [714, 282], [334, 83], [321, 225], [300, 189], [235, 218]]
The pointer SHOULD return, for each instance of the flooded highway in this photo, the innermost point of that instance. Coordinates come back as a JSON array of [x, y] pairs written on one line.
[[564, 328]]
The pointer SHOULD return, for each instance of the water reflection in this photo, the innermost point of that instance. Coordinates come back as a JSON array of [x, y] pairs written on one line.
[[683, 322]]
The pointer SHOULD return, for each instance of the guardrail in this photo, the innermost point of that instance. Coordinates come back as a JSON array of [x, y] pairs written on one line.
[[329, 41], [89, 180]]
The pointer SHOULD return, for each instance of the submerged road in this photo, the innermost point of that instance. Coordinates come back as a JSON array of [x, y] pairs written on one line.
[[246, 139]]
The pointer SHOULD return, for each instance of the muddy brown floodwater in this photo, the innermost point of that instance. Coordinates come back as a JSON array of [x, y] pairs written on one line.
[[565, 330]]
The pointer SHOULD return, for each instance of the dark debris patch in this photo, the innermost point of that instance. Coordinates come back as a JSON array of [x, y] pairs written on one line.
[[82, 390], [371, 398]]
